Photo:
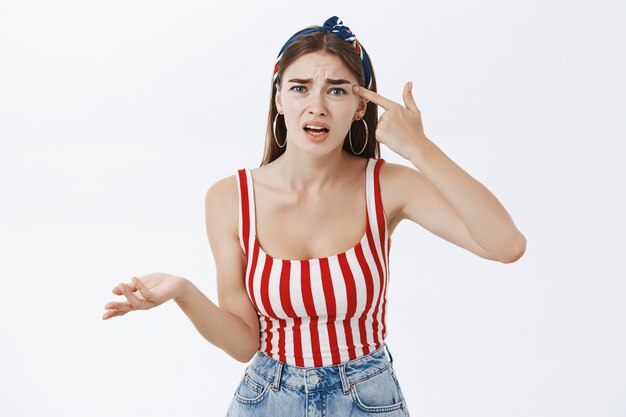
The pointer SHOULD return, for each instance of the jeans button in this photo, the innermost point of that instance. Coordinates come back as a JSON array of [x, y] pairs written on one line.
[[314, 379]]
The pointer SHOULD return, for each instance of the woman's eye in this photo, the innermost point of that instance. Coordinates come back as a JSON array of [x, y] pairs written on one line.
[[340, 90]]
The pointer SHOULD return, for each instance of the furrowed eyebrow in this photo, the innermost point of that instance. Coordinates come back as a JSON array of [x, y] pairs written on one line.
[[328, 81]]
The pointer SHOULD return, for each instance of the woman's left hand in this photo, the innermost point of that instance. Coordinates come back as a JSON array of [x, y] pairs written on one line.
[[399, 127]]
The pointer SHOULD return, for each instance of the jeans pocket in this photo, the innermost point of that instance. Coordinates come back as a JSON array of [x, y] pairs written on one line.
[[378, 393], [252, 388]]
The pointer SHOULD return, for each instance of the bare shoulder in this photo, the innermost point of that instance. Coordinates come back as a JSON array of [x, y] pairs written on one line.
[[391, 170], [395, 180], [396, 176], [222, 200]]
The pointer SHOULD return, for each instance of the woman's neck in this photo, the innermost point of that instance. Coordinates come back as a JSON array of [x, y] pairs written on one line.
[[301, 172]]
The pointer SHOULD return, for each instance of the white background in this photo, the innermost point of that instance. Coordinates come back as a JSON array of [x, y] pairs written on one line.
[[115, 118]]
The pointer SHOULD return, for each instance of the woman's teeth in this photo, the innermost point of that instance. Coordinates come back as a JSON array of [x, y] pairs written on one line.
[[315, 130], [316, 133]]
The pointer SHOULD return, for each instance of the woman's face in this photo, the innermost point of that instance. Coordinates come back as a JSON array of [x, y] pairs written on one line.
[[317, 89]]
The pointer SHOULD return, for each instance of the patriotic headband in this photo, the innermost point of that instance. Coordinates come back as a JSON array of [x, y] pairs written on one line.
[[336, 26]]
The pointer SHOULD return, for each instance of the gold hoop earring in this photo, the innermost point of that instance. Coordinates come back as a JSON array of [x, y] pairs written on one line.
[[350, 138], [274, 130]]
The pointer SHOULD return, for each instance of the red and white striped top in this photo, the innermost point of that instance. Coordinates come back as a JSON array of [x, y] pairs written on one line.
[[323, 311]]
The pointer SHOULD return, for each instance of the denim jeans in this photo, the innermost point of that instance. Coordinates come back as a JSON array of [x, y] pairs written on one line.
[[366, 386]]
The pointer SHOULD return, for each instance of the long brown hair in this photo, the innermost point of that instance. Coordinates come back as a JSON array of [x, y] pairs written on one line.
[[326, 42]]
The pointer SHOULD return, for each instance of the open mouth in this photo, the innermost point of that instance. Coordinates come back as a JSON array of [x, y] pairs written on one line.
[[316, 131]]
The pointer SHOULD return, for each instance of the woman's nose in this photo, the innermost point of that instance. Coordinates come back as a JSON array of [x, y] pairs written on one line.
[[317, 102]]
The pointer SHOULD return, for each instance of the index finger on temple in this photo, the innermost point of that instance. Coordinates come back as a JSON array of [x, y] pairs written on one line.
[[372, 96]]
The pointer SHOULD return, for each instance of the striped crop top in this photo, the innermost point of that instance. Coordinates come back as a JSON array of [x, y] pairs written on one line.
[[322, 311]]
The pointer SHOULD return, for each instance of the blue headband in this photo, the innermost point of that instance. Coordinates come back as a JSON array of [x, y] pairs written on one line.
[[335, 26]]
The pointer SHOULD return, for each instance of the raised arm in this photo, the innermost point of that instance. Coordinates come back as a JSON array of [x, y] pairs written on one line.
[[439, 194], [414, 197], [232, 326], [479, 214]]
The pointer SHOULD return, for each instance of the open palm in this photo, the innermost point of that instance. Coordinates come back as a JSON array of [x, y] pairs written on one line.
[[142, 294]]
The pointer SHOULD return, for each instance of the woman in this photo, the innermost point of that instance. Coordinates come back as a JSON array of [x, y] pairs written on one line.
[[296, 294]]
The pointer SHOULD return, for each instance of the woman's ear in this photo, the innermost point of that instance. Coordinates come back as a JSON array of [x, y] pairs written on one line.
[[279, 106], [362, 107]]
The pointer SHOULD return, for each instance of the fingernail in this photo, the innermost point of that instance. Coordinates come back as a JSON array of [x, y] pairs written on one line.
[[410, 85], [355, 88]]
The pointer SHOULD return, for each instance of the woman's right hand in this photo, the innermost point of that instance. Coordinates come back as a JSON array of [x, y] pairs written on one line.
[[153, 289]]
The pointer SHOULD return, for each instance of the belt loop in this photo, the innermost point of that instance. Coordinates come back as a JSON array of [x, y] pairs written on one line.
[[279, 369], [345, 383], [390, 357]]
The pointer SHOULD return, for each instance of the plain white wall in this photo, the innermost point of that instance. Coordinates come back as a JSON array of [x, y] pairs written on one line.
[[115, 118]]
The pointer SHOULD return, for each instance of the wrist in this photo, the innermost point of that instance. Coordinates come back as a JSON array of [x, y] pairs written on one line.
[[420, 153], [181, 289]]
